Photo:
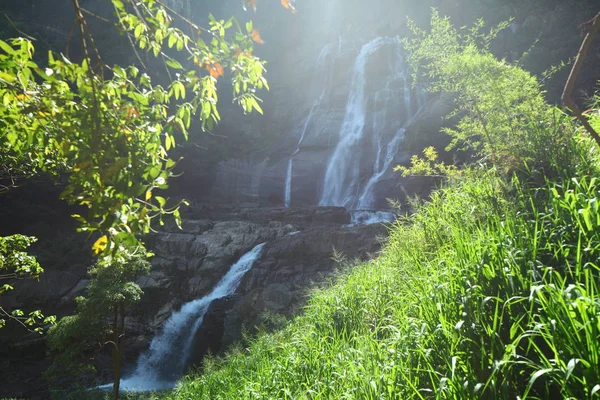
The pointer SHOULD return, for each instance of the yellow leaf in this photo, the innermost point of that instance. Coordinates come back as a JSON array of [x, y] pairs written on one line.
[[100, 245], [148, 194]]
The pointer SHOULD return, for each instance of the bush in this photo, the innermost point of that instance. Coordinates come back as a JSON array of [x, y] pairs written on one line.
[[503, 117]]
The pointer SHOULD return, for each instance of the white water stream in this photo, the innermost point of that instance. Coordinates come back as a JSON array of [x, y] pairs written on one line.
[[165, 362], [379, 117], [326, 59]]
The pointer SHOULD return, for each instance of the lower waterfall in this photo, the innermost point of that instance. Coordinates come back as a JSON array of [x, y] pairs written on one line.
[[166, 359]]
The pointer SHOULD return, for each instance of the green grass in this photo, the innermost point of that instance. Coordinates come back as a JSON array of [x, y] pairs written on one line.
[[490, 290]]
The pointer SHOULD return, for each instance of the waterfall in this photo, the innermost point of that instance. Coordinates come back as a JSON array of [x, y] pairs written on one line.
[[164, 363], [367, 198], [362, 217], [288, 184], [388, 110], [325, 53]]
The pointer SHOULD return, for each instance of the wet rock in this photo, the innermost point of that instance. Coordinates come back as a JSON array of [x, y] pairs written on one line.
[[209, 336]]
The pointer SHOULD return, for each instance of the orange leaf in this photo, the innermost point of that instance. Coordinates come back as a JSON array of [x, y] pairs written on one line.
[[287, 4], [256, 37], [215, 69]]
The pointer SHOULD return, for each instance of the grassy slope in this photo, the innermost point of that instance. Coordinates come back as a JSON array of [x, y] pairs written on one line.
[[489, 291]]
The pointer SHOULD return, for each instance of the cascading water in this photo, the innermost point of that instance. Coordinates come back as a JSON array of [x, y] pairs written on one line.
[[166, 360], [183, 7], [326, 56], [384, 113], [288, 184], [367, 199]]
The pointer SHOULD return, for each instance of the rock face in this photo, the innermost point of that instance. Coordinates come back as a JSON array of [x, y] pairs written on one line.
[[321, 91], [290, 266], [188, 263], [348, 132]]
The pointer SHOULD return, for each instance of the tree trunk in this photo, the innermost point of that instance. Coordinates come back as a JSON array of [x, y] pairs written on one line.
[[119, 341], [593, 26]]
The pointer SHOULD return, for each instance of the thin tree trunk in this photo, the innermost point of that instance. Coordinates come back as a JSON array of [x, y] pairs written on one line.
[[116, 355], [570, 85]]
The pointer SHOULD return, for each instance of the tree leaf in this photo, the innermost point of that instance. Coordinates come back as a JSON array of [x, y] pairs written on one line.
[[256, 37], [100, 245], [287, 4], [7, 48], [174, 64], [6, 77], [215, 70]]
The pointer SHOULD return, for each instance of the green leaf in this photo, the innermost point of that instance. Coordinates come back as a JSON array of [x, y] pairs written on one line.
[[6, 77], [7, 48], [119, 5], [138, 31], [5, 288], [12, 138], [154, 172], [536, 375], [177, 216], [172, 40], [161, 200], [174, 64], [169, 142], [178, 90], [257, 106]]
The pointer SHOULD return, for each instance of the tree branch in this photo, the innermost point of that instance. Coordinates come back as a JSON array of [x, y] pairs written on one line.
[[570, 85], [6, 314], [17, 29]]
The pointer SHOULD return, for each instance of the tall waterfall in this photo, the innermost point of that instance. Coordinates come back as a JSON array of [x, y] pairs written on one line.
[[374, 115], [165, 361], [288, 183], [327, 57]]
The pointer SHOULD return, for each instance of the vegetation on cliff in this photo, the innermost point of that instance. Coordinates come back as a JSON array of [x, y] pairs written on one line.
[[488, 290], [104, 133]]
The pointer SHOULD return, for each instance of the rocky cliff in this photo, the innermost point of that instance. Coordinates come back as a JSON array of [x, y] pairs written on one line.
[[340, 114], [300, 243], [317, 59]]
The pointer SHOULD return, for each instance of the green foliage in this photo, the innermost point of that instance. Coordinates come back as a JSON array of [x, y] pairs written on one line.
[[503, 117], [428, 165], [108, 130], [16, 263], [103, 395], [111, 134], [75, 339], [490, 290]]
